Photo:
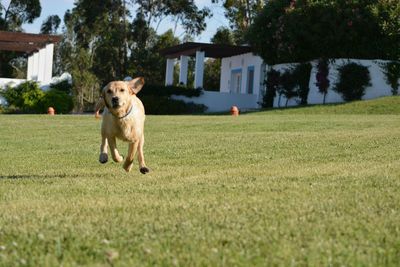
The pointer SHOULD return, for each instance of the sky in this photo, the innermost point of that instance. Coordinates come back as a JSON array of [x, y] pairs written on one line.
[[58, 7]]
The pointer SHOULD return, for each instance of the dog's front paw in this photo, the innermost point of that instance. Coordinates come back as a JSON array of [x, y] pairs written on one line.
[[144, 170], [127, 166], [103, 158]]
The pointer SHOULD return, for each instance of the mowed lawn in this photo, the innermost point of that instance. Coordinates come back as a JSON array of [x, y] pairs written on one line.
[[275, 188]]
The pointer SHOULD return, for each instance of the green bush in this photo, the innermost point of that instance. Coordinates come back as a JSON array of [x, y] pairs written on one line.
[[272, 86], [63, 86], [392, 74], [352, 82], [301, 75], [322, 77], [59, 100], [288, 85], [164, 105], [24, 97], [160, 90], [29, 98]]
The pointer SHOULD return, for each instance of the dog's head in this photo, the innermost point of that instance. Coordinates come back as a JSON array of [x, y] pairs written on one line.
[[117, 94]]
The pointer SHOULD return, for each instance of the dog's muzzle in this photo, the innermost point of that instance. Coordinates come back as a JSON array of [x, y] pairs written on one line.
[[115, 101]]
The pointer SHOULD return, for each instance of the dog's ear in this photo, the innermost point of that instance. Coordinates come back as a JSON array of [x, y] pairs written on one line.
[[103, 91], [136, 85]]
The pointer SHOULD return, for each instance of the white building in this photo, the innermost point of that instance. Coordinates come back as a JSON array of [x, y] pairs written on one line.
[[39, 50], [243, 73]]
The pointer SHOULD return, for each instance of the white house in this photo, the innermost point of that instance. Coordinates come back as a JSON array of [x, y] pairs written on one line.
[[39, 50], [242, 77]]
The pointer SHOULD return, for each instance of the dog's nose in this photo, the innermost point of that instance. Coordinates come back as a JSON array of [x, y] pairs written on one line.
[[115, 99]]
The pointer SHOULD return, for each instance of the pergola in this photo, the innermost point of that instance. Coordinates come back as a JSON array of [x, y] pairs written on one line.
[[200, 51], [38, 47]]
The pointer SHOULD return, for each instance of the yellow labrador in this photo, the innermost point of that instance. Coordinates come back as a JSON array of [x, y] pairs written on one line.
[[123, 118]]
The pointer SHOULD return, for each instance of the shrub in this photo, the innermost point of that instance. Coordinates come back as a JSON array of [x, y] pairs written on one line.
[[392, 74], [301, 75], [24, 97], [160, 90], [322, 77], [164, 105], [288, 85], [63, 86], [59, 100], [353, 79], [272, 86]]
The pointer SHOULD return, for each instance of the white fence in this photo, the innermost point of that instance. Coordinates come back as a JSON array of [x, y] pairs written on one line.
[[378, 87], [218, 102]]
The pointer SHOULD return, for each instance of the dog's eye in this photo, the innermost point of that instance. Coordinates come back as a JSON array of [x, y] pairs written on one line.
[[109, 91], [122, 90]]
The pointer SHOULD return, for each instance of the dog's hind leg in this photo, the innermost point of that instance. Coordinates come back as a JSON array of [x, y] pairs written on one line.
[[103, 149], [113, 149], [131, 155], [142, 165]]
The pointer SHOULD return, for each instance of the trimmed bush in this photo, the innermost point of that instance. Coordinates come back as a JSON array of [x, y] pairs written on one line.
[[322, 77], [63, 86], [301, 75], [156, 100], [59, 100], [160, 105], [353, 80], [272, 86], [392, 74], [159, 90]]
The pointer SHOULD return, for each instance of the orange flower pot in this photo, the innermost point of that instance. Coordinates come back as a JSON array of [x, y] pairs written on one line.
[[234, 111], [51, 111]]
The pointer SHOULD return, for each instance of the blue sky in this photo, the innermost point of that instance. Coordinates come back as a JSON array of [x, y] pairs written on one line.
[[58, 7]]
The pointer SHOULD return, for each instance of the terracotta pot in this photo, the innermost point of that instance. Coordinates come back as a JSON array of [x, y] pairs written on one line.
[[51, 111], [234, 111]]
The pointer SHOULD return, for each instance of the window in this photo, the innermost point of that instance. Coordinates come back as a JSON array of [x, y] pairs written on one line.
[[250, 79], [236, 81]]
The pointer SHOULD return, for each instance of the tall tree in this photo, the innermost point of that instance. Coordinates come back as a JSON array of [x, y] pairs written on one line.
[[17, 13], [50, 25], [182, 12], [241, 14]]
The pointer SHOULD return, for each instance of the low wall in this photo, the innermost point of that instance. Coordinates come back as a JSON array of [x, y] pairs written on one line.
[[378, 87], [219, 102]]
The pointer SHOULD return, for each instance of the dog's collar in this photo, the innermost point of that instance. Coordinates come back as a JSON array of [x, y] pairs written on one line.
[[126, 115]]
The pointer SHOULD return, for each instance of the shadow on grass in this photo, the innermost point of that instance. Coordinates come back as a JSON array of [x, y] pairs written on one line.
[[37, 176]]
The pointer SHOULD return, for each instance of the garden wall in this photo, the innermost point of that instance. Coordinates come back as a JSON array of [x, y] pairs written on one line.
[[378, 87]]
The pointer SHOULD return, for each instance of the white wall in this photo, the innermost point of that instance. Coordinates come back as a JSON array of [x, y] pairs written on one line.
[[378, 87], [243, 62], [217, 101]]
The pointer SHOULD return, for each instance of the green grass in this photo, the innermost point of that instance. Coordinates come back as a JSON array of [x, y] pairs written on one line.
[[263, 189], [383, 105]]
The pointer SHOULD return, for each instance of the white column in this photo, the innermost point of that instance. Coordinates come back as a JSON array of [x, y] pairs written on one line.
[[48, 66], [183, 71], [169, 74], [42, 64], [35, 67], [29, 73], [199, 70]]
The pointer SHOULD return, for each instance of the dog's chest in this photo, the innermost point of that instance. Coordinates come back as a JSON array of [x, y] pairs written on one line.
[[130, 130]]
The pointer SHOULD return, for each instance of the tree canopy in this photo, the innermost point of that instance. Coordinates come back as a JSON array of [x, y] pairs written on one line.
[[297, 31]]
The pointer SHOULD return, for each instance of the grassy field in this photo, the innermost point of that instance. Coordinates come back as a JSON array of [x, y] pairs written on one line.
[[274, 188]]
